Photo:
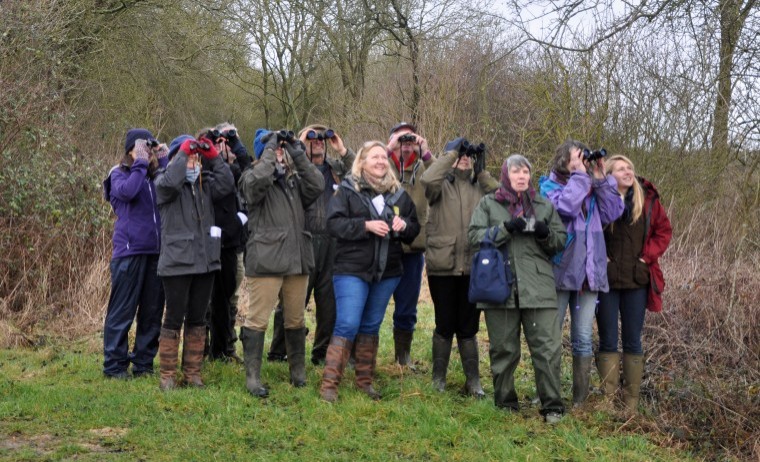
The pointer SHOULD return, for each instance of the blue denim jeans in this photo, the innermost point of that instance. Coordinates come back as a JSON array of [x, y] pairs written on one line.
[[407, 293], [136, 291], [632, 306], [360, 305], [582, 310]]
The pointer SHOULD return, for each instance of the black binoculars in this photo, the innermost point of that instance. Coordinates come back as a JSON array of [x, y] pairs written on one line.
[[407, 138], [591, 156], [471, 150], [215, 134], [199, 145], [286, 136], [152, 143], [326, 135]]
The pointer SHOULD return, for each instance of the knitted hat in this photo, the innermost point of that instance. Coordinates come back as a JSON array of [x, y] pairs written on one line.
[[137, 134], [258, 145], [176, 143]]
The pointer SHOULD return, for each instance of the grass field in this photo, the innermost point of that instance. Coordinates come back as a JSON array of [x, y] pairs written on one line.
[[55, 405]]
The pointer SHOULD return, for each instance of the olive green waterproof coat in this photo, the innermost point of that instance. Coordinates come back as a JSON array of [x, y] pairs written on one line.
[[279, 244], [452, 198], [529, 257]]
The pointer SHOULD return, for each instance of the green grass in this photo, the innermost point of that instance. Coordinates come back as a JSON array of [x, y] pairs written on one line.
[[55, 405]]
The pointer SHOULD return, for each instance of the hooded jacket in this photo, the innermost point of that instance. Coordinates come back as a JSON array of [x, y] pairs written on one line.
[[132, 194], [187, 215], [584, 204], [452, 198]]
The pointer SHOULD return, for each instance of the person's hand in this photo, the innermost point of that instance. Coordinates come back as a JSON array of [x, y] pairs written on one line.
[[398, 224], [516, 224], [142, 151], [336, 142], [162, 151], [187, 147], [211, 152], [423, 144], [377, 227], [295, 149], [598, 169], [541, 230], [576, 161]]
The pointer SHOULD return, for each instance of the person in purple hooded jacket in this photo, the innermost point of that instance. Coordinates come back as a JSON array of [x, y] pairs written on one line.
[[135, 286], [586, 199]]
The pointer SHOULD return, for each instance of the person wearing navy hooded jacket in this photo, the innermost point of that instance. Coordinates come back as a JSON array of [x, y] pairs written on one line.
[[135, 286]]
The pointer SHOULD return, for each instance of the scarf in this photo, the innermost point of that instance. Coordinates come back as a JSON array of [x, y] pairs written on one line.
[[379, 186], [407, 162], [518, 204]]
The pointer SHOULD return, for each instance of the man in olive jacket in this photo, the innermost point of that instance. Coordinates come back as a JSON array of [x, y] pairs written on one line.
[[277, 189], [532, 231]]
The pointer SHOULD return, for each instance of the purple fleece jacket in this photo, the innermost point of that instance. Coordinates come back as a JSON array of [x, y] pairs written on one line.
[[132, 194], [585, 255]]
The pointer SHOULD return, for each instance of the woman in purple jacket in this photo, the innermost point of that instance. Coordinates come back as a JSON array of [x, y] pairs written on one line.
[[586, 199], [135, 286]]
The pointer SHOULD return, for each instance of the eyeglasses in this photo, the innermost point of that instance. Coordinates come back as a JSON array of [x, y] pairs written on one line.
[[312, 135]]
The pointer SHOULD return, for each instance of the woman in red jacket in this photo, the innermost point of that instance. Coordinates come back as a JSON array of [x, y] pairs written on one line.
[[634, 242]]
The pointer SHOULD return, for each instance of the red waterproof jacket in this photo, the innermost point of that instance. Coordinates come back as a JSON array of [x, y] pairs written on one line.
[[658, 235]]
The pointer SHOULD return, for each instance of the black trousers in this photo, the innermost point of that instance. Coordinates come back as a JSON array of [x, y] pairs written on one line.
[[221, 313], [187, 299], [454, 314]]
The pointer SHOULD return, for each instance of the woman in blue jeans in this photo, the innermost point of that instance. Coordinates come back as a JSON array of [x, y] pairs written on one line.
[[586, 199], [370, 215]]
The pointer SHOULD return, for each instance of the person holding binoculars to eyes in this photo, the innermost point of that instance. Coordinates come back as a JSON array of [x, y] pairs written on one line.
[[277, 188], [586, 199], [186, 191], [409, 156], [454, 184], [333, 169], [135, 286], [228, 216]]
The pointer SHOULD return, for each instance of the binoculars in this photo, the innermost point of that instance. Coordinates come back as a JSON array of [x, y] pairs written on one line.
[[215, 134], [326, 135], [471, 150], [286, 136], [152, 143], [199, 145], [591, 156], [407, 138]]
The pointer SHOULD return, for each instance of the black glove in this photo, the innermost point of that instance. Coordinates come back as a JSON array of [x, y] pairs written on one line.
[[479, 165], [515, 224], [270, 141], [541, 230], [295, 148]]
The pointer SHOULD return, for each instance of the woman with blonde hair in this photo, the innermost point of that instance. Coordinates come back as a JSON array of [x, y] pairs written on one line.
[[370, 215], [634, 242]]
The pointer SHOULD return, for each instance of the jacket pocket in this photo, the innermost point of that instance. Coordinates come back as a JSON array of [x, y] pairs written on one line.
[[440, 252], [641, 273], [178, 249], [268, 252], [613, 273]]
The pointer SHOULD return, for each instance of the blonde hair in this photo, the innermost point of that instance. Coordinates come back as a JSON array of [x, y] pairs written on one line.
[[638, 191], [361, 156]]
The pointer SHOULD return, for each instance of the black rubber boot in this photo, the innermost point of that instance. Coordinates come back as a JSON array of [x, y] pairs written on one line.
[[441, 355], [295, 343], [468, 350], [402, 340], [277, 349], [253, 349]]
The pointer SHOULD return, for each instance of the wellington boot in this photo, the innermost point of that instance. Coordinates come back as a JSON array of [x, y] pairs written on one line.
[[253, 349], [277, 348], [295, 343], [633, 371], [335, 362], [366, 360], [168, 351], [468, 350], [608, 365], [192, 355], [581, 372], [402, 340], [441, 355]]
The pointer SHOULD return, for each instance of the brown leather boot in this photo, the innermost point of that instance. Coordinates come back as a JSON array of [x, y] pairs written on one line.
[[366, 359], [192, 354], [335, 362], [168, 348], [608, 364]]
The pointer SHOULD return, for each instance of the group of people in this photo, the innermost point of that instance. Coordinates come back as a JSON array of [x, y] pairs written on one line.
[[357, 230]]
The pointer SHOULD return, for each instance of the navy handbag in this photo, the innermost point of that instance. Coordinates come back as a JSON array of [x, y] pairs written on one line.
[[491, 275]]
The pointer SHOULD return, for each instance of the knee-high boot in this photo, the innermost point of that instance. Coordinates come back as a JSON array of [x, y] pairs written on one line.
[[366, 359], [168, 350], [633, 371], [192, 354], [581, 371], [468, 350], [335, 362], [253, 349], [295, 344], [441, 355], [608, 365]]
